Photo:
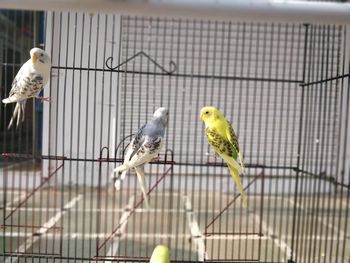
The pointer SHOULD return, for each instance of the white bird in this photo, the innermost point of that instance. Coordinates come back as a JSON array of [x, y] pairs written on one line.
[[29, 81], [145, 146]]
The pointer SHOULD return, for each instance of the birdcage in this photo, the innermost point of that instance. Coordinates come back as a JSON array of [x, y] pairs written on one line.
[[278, 70]]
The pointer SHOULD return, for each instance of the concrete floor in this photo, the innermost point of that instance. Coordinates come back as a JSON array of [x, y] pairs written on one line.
[[87, 223]]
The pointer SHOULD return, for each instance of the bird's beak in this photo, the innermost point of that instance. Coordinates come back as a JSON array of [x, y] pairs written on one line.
[[34, 58], [202, 117]]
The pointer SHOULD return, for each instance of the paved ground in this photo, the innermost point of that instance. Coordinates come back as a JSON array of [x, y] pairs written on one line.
[[87, 223]]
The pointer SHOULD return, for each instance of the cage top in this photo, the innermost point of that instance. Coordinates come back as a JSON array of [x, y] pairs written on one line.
[[258, 10]]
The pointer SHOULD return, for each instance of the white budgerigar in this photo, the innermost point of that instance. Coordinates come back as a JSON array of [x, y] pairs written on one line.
[[145, 146], [29, 81]]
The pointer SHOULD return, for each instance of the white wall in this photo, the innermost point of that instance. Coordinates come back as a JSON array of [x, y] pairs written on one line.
[[83, 103]]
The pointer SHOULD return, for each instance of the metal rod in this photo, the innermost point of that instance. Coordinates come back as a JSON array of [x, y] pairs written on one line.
[[258, 10], [34, 191], [230, 203], [180, 75]]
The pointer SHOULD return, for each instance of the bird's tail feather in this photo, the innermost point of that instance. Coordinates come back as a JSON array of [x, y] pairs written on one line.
[[232, 162], [10, 100], [18, 113], [235, 175], [141, 177], [241, 161]]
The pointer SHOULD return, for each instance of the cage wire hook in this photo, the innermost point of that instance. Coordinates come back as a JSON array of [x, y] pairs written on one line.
[[120, 144], [103, 149], [173, 66]]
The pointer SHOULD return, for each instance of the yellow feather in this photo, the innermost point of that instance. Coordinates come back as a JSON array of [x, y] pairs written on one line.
[[235, 175], [214, 120]]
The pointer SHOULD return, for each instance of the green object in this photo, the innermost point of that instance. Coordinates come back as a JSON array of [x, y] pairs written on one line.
[[160, 255]]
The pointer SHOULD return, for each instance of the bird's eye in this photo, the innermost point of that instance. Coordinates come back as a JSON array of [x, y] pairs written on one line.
[[207, 112], [41, 54]]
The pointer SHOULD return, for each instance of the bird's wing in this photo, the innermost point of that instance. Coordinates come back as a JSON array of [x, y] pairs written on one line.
[[142, 148], [15, 87], [26, 84], [231, 135], [221, 144], [140, 172], [147, 151], [135, 144]]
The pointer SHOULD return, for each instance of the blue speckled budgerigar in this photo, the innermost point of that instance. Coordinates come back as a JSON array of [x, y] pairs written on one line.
[[145, 146]]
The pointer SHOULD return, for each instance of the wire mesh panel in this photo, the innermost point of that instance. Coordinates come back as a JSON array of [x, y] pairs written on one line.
[[284, 87]]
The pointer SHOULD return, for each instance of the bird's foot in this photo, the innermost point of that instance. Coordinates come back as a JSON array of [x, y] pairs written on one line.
[[156, 159], [213, 156], [117, 184], [42, 99]]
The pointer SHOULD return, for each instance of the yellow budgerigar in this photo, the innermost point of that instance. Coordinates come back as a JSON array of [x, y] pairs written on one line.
[[223, 139], [160, 255]]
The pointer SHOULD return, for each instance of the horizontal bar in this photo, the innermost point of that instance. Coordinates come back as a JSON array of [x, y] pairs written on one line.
[[30, 254], [207, 234], [325, 80], [75, 258], [27, 226], [181, 75], [232, 260], [211, 164], [257, 10], [120, 160]]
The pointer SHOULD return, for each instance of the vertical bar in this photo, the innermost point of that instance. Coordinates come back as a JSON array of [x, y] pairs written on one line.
[[118, 107], [226, 84], [70, 219], [252, 143], [344, 99], [182, 129], [275, 139], [281, 129], [346, 149], [220, 29], [260, 144], [63, 131], [197, 106], [177, 25], [56, 117], [327, 135], [78, 100], [316, 128], [207, 176], [101, 130], [86, 131], [299, 146]]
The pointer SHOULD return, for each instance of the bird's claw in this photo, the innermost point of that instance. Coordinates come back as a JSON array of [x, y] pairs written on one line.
[[117, 184], [156, 159], [42, 99]]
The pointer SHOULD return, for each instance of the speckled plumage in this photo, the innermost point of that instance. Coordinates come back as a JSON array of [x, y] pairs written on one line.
[[145, 146], [29, 81], [224, 141]]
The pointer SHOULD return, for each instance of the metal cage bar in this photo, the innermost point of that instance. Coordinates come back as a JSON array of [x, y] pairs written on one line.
[[284, 87]]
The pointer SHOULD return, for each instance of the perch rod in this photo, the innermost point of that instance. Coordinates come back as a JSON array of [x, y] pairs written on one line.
[[258, 10]]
